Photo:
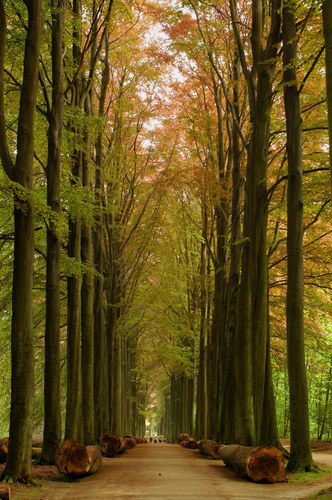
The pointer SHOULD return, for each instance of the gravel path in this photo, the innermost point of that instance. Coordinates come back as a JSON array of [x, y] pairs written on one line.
[[166, 471]]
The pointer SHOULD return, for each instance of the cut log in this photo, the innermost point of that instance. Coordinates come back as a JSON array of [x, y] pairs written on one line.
[[190, 443], [140, 440], [3, 449], [209, 448], [131, 436], [76, 459], [130, 443], [122, 447], [258, 464], [111, 443], [183, 437], [5, 491]]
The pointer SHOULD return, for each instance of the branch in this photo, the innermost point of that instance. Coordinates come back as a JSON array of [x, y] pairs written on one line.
[[315, 219], [320, 52]]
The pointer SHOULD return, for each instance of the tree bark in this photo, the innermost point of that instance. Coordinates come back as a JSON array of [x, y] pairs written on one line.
[[22, 352], [300, 455], [52, 405]]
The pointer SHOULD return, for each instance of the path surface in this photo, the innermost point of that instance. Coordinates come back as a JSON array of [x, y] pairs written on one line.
[[166, 471]]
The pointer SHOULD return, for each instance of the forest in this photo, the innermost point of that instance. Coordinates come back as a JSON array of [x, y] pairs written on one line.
[[165, 222]]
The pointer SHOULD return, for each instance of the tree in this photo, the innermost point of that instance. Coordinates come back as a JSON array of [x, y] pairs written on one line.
[[52, 404], [327, 28], [300, 457], [20, 172]]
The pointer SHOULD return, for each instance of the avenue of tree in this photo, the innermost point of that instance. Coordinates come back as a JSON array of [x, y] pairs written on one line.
[[165, 222]]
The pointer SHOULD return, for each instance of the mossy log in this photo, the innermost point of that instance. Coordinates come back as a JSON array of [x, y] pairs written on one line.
[[209, 448], [3, 449], [76, 459], [258, 464], [4, 491]]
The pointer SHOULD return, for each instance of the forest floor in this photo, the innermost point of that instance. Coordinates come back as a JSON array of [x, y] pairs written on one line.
[[167, 471]]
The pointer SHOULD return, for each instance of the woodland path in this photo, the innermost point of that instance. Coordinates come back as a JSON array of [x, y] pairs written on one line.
[[167, 471]]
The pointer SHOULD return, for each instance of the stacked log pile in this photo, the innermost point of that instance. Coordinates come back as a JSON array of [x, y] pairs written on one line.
[[76, 459], [209, 448], [258, 464]]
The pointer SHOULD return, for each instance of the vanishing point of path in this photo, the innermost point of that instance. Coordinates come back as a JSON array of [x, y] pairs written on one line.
[[168, 471]]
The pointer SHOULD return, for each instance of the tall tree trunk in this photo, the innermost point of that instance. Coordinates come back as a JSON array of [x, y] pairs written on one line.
[[218, 344], [300, 456], [101, 393], [73, 407], [229, 423], [52, 405], [87, 345], [202, 379], [327, 28], [252, 330], [22, 352]]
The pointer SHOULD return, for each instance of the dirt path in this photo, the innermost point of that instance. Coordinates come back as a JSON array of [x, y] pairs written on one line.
[[166, 471]]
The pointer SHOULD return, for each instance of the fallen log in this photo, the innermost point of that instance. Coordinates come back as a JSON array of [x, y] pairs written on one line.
[[5, 491], [183, 437], [76, 459], [111, 443], [3, 449], [122, 447], [130, 443], [190, 443], [140, 440], [258, 464], [209, 448]]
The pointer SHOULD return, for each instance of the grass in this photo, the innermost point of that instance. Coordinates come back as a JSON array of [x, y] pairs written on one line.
[[304, 477]]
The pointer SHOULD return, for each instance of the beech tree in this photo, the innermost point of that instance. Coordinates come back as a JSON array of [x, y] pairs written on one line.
[[327, 28], [55, 104], [20, 172], [300, 457]]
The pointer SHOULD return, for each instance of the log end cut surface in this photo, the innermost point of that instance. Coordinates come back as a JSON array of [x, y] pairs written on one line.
[[266, 463], [76, 459]]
